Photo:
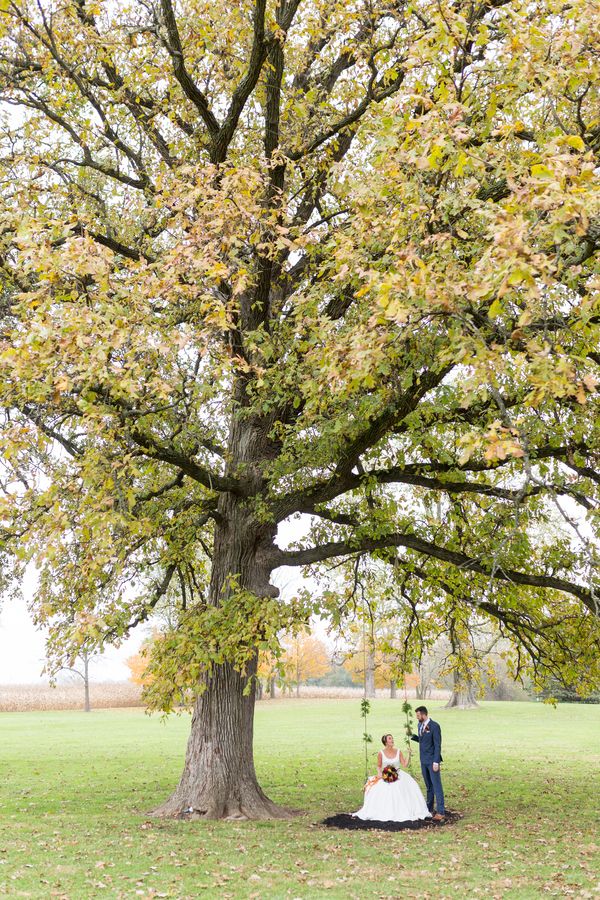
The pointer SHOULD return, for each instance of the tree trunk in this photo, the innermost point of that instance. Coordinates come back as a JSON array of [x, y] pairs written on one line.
[[423, 686], [219, 780], [272, 687], [463, 695], [370, 675], [86, 682], [393, 691], [259, 689]]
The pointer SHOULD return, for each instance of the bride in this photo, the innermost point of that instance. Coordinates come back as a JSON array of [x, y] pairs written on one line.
[[395, 801]]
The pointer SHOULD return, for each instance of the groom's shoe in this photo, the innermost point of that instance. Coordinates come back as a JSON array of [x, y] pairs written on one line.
[[439, 818]]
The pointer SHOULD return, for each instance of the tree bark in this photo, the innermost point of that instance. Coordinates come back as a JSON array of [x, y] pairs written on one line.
[[259, 689], [370, 674], [86, 682], [272, 687], [427, 670], [219, 780], [463, 695], [393, 690]]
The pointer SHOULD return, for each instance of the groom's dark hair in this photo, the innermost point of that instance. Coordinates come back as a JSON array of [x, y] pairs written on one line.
[[422, 709]]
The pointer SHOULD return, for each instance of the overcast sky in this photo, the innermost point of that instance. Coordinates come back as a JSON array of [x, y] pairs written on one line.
[[22, 646]]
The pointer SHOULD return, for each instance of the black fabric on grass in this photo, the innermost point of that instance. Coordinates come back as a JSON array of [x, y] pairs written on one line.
[[344, 820]]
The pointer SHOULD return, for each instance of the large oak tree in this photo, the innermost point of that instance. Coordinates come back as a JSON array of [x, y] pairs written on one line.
[[263, 259]]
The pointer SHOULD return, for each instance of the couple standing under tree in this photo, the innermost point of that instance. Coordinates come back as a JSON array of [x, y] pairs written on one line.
[[393, 795]]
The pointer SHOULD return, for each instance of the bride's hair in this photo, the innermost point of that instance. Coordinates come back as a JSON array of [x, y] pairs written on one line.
[[384, 738]]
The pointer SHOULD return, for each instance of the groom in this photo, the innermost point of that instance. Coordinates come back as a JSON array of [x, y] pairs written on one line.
[[429, 738]]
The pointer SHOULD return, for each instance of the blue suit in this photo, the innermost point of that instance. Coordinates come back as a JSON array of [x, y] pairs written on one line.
[[430, 752]]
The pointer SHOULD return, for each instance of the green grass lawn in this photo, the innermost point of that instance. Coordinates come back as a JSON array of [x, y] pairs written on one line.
[[74, 790]]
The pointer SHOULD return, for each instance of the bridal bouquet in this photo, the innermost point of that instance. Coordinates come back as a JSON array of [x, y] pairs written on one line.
[[389, 774]]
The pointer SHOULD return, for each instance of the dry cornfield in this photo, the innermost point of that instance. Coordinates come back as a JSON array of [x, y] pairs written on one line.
[[22, 697], [315, 692], [106, 695]]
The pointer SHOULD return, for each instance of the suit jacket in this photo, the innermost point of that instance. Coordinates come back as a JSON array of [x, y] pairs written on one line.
[[430, 744]]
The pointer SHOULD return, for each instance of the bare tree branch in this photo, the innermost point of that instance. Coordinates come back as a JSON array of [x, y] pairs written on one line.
[[160, 590]]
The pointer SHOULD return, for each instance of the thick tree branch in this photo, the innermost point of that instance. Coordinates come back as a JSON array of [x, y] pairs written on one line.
[[459, 560], [450, 487], [396, 410], [66, 443], [106, 241], [190, 89], [29, 101], [258, 55], [372, 95], [155, 450], [584, 471], [313, 495]]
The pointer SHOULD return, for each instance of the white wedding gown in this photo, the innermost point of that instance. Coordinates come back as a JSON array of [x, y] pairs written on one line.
[[398, 801]]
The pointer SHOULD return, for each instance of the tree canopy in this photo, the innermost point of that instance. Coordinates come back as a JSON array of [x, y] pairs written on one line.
[[267, 259]]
